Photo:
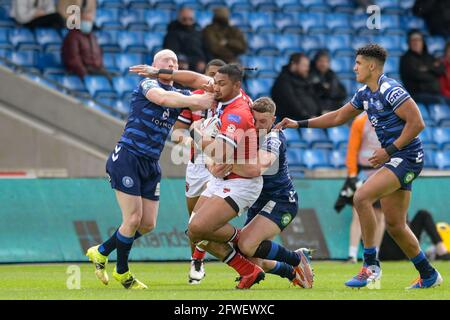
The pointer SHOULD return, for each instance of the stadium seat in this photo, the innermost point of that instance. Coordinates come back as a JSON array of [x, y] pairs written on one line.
[[310, 43], [392, 66], [316, 159], [25, 58], [211, 4], [262, 44], [132, 41], [293, 139], [389, 6], [339, 136], [295, 159], [259, 87], [436, 45], [279, 63], [359, 41], [163, 4], [264, 65], [23, 39], [50, 63], [413, 22], [158, 19], [5, 19], [390, 25], [73, 83], [193, 4], [427, 138], [287, 22], [203, 18], [154, 41], [392, 43], [342, 65], [133, 20], [122, 106], [124, 85], [4, 39], [429, 160], [48, 39], [315, 5], [107, 18], [288, 6], [316, 138], [261, 22], [339, 45], [359, 21], [99, 87], [338, 23], [338, 158], [107, 39], [264, 5], [440, 114], [429, 122], [443, 160], [110, 4], [288, 43], [109, 61], [240, 20], [344, 6], [126, 60], [313, 23], [406, 4], [442, 137], [239, 5]]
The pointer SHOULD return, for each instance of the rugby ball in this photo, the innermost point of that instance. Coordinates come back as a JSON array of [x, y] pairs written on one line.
[[211, 126]]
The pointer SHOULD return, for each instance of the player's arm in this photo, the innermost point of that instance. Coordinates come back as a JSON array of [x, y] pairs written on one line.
[[173, 99], [186, 78], [327, 120], [409, 112], [180, 133], [264, 161]]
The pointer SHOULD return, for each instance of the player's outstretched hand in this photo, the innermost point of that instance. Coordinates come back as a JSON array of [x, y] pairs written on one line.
[[286, 123], [144, 70], [378, 158], [203, 101]]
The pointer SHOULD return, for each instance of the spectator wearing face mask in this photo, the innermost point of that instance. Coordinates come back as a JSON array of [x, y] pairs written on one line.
[[222, 40], [81, 53], [36, 13]]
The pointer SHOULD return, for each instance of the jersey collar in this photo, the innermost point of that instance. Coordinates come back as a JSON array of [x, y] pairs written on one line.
[[381, 78], [222, 105]]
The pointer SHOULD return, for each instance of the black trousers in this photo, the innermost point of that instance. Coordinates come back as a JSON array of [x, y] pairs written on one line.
[[53, 20], [422, 221]]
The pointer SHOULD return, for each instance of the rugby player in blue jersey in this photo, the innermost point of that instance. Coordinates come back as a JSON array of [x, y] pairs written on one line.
[[397, 122], [133, 166]]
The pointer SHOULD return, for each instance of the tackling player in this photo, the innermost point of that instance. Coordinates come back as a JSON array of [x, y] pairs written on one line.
[[133, 166], [398, 122]]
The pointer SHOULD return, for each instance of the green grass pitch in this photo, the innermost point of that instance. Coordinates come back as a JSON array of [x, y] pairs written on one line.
[[169, 281]]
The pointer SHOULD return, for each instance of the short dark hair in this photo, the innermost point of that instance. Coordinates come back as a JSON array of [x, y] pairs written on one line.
[[296, 57], [373, 50], [233, 70], [216, 63]]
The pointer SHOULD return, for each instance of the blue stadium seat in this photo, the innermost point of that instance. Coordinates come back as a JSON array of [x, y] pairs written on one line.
[[389, 6], [264, 5], [315, 5], [288, 6], [406, 4], [108, 18], [443, 160], [442, 137], [99, 87], [338, 23], [429, 122], [126, 60], [211, 4], [110, 4], [427, 138], [48, 38], [239, 5], [392, 66], [5, 53], [193, 4], [316, 138], [124, 85], [240, 20], [345, 6], [337, 158], [25, 58], [50, 63], [339, 136], [280, 62], [392, 43], [440, 113], [203, 18], [263, 63], [158, 19], [359, 41], [359, 21], [317, 159], [436, 45], [288, 43], [139, 4], [342, 65], [4, 39], [293, 139], [295, 159], [413, 22], [5, 19], [390, 24], [122, 106], [132, 41], [287, 22], [107, 39], [133, 20], [339, 45], [259, 87], [313, 23], [154, 40], [23, 39], [309, 43], [73, 83], [109, 61], [261, 22], [262, 44], [429, 160]]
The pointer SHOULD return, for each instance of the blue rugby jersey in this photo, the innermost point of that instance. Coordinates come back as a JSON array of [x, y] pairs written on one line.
[[380, 106], [277, 185], [149, 124]]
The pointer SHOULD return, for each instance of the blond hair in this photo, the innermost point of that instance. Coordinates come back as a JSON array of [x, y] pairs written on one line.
[[264, 104]]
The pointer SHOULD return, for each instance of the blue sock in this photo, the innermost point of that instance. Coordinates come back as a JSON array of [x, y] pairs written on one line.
[[283, 270], [273, 251], [370, 257], [110, 245], [423, 265], [124, 245]]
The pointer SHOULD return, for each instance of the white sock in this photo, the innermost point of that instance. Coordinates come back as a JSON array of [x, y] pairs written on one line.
[[353, 252]]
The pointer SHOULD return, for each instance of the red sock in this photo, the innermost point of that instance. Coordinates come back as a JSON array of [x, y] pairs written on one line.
[[198, 254], [239, 263]]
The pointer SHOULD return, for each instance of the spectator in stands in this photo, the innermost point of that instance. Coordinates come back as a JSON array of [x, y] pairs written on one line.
[[81, 53], [184, 36], [222, 40], [445, 78], [420, 71], [436, 14], [293, 91], [36, 13], [327, 87], [88, 6], [422, 221]]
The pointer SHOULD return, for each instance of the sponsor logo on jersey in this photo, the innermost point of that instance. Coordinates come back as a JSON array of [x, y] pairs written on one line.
[[395, 162], [374, 121], [395, 95], [409, 177], [231, 128], [379, 106], [166, 115], [366, 105], [234, 118], [286, 219], [127, 182]]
